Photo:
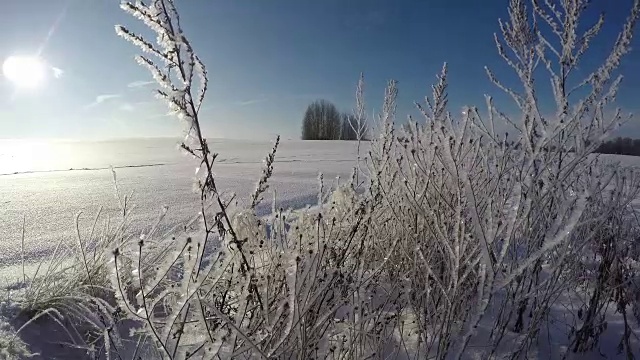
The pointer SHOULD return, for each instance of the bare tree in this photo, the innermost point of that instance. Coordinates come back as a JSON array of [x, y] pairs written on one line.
[[321, 121]]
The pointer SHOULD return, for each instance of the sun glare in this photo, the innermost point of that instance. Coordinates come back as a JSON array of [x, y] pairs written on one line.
[[17, 156], [24, 71]]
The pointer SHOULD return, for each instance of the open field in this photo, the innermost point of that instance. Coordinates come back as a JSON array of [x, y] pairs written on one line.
[[49, 195]]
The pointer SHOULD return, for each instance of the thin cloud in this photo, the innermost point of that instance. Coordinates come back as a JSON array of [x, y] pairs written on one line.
[[57, 72], [251, 101], [307, 96], [103, 98], [140, 84]]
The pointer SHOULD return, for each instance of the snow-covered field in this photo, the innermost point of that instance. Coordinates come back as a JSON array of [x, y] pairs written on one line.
[[48, 183]]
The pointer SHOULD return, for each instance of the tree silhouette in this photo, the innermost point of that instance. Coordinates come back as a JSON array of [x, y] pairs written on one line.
[[620, 146], [322, 121]]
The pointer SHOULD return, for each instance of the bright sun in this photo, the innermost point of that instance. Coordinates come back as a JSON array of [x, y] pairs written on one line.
[[24, 71]]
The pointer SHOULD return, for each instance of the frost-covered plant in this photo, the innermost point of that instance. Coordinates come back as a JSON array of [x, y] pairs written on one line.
[[292, 285], [79, 268], [11, 346], [460, 227], [490, 223], [358, 124], [605, 270], [70, 288]]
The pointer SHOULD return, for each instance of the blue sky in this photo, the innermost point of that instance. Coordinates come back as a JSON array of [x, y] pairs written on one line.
[[266, 59]]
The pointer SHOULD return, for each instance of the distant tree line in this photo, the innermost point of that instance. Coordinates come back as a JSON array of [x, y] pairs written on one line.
[[620, 146], [323, 121], [617, 146]]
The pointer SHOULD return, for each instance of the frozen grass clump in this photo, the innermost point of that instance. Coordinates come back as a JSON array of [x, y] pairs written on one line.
[[70, 288]]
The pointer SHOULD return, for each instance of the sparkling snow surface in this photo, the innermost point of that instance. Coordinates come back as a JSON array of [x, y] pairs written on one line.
[[49, 183]]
